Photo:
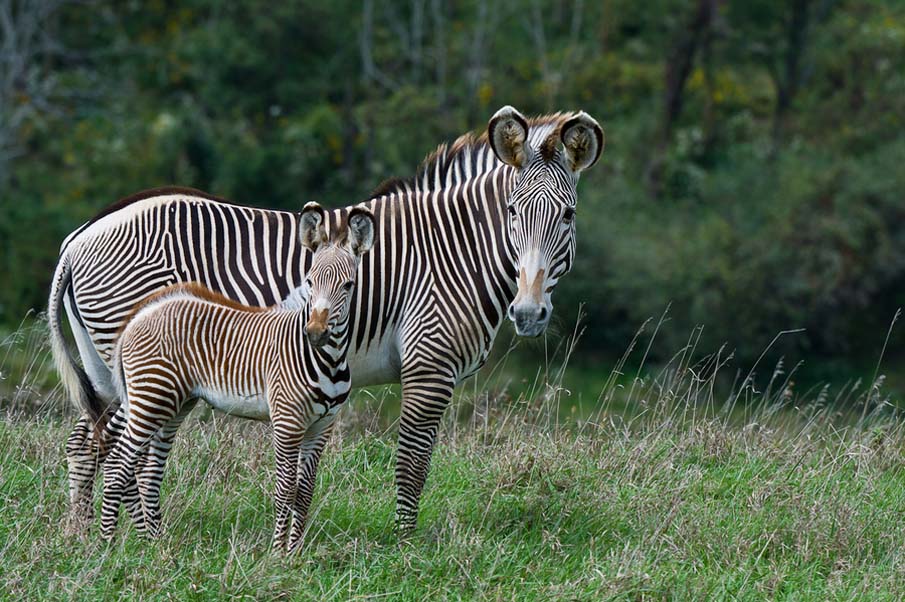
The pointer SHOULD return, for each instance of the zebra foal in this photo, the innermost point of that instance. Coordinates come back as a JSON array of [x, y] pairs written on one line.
[[188, 342]]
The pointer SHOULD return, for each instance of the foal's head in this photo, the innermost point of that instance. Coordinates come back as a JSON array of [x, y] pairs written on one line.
[[331, 279]]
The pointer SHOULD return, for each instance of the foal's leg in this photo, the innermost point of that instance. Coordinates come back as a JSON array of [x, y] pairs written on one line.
[[287, 439], [112, 432], [119, 469], [149, 471], [316, 438]]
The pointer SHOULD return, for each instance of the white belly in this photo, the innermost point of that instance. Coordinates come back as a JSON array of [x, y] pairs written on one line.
[[375, 366], [245, 406]]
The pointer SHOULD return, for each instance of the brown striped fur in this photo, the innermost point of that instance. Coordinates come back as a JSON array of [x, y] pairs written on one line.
[[195, 290], [549, 146]]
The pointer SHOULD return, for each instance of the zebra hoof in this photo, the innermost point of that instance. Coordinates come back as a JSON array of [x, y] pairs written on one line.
[[77, 526], [149, 535], [405, 527], [278, 548], [295, 547]]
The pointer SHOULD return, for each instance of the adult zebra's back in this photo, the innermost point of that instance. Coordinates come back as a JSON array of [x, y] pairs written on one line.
[[147, 242], [483, 231]]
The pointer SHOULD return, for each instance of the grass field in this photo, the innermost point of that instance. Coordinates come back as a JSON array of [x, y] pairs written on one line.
[[695, 495]]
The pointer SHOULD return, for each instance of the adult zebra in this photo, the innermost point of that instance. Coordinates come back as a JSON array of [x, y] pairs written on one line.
[[484, 230]]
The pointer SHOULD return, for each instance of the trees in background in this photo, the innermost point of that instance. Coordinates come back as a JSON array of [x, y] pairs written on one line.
[[751, 175], [28, 87]]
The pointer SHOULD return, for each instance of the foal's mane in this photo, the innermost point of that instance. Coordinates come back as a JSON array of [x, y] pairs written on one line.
[[189, 289]]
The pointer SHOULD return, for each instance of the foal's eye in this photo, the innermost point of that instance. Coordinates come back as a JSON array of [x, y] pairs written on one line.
[[568, 215]]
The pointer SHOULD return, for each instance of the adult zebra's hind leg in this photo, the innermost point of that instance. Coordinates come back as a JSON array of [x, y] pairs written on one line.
[[315, 440], [84, 454], [426, 393], [82, 459]]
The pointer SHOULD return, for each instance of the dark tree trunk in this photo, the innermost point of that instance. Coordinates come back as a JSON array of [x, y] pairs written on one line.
[[678, 67], [790, 77], [681, 62]]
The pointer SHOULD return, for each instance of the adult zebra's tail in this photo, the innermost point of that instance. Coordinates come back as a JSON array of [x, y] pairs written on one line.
[[75, 379]]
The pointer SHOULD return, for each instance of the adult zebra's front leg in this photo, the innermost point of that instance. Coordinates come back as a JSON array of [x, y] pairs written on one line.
[[427, 390]]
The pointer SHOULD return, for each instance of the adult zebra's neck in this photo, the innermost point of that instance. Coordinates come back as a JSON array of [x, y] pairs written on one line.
[[463, 234], [464, 189], [467, 172]]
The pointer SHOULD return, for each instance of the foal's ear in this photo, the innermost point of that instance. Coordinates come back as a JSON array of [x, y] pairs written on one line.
[[313, 232], [582, 141], [508, 135], [362, 227]]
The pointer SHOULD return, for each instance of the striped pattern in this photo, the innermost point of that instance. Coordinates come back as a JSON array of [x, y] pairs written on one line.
[[187, 342], [483, 231]]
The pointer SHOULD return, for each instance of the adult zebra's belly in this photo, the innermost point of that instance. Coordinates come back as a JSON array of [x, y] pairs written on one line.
[[245, 406], [378, 364]]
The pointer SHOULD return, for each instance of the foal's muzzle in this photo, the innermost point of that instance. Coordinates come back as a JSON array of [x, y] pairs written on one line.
[[316, 330]]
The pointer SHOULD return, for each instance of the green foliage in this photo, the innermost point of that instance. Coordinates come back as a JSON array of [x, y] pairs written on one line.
[[763, 218]]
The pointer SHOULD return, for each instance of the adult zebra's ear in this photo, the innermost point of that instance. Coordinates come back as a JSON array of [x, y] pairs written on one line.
[[362, 227], [508, 135], [313, 231], [582, 141]]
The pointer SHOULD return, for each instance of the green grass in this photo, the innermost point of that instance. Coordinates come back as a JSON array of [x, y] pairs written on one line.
[[666, 507], [669, 486]]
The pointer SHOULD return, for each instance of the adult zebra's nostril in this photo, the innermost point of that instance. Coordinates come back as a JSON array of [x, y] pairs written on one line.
[[543, 313], [511, 312]]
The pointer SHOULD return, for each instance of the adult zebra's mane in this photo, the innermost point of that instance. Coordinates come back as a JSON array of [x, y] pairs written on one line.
[[466, 157]]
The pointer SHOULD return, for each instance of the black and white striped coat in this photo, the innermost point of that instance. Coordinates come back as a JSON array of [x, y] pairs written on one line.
[[483, 232]]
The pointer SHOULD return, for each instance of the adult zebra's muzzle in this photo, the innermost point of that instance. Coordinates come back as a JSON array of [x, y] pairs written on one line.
[[530, 311], [316, 329]]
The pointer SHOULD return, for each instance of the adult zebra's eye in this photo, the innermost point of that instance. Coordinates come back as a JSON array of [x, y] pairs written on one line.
[[568, 215], [512, 210], [347, 286]]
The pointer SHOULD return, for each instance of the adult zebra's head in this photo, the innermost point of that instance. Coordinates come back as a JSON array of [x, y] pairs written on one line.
[[331, 279], [541, 207]]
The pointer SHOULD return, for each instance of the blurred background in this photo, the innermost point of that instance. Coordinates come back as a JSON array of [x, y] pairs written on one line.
[[752, 181]]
